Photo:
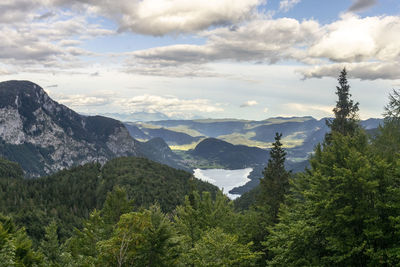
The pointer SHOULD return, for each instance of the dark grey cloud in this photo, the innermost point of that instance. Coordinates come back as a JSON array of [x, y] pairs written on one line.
[[249, 103], [46, 15], [362, 5]]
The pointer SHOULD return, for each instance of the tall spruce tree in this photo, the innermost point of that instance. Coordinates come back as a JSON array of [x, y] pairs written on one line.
[[387, 139], [392, 109], [275, 183], [346, 117]]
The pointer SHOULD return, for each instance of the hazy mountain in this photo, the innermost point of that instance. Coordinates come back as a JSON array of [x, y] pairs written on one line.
[[170, 136], [300, 134]]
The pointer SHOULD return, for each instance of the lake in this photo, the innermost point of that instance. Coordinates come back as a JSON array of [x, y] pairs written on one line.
[[226, 180]]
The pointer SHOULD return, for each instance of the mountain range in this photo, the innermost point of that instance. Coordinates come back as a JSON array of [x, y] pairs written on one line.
[[44, 136]]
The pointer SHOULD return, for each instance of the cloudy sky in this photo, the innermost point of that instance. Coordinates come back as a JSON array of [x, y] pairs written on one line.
[[249, 59]]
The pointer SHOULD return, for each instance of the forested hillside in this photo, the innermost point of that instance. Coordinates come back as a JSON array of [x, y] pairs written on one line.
[[342, 211], [70, 195]]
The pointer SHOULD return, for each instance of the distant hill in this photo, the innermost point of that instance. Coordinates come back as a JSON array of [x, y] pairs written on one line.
[[302, 133], [157, 149], [228, 155], [170, 136]]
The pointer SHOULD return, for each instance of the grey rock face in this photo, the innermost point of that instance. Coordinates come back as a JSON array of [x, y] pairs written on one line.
[[37, 131]]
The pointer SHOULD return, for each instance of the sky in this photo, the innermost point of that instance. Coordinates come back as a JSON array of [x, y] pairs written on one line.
[[244, 59]]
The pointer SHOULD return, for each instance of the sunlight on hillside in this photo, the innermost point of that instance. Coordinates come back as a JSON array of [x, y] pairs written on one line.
[[185, 129], [185, 147]]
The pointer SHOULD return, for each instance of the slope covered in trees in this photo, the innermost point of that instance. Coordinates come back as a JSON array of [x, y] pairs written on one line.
[[70, 195]]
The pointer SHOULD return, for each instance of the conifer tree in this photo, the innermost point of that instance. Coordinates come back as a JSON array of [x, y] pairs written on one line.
[[346, 117], [392, 109], [387, 139], [275, 183], [50, 246]]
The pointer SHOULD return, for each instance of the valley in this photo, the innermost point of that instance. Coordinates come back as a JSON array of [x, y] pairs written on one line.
[[236, 144]]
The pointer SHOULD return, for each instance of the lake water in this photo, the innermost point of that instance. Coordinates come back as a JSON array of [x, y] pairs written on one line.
[[226, 180]]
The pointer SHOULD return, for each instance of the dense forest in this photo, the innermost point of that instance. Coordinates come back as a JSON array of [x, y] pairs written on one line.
[[344, 210]]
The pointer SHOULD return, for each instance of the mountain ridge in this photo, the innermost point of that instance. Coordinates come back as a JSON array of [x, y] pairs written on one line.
[[45, 136]]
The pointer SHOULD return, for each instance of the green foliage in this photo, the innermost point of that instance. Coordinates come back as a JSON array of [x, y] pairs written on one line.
[[387, 140], [116, 204], [15, 246], [346, 117], [200, 213], [247, 199], [49, 245], [144, 238], [159, 247], [275, 183], [392, 109], [69, 196], [217, 248], [82, 245], [147, 182], [342, 211], [9, 169], [123, 245]]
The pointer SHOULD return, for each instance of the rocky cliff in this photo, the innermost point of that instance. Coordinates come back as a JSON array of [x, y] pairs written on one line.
[[45, 136]]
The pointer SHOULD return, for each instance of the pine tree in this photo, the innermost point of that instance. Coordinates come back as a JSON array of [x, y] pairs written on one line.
[[50, 246], [275, 183], [346, 117], [387, 139], [344, 211], [217, 248], [392, 109]]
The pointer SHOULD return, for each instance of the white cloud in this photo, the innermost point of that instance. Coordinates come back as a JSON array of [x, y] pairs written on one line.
[[249, 103], [38, 35], [286, 5], [265, 110], [157, 68], [373, 41], [353, 39], [259, 40], [81, 100], [298, 108], [169, 105], [160, 17]]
